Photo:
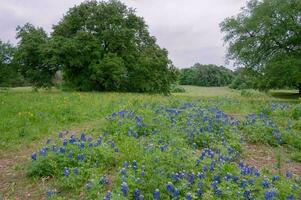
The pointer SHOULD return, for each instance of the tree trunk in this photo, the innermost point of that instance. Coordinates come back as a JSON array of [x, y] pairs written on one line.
[[299, 87]]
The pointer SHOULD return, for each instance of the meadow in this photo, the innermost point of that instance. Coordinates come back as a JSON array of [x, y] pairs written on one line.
[[205, 143]]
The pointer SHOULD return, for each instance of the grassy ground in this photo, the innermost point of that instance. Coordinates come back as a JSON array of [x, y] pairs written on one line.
[[29, 118]]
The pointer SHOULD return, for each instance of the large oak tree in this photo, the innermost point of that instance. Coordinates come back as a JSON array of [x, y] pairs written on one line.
[[105, 46], [266, 38]]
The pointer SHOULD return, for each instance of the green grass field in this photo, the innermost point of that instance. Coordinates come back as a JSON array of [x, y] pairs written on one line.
[[155, 128]]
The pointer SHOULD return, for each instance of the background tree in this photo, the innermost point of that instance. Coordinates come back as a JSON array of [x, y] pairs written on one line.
[[9, 75], [104, 46], [265, 37], [31, 56], [206, 75]]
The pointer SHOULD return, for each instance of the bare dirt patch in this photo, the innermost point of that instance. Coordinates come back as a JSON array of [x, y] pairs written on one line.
[[266, 157]]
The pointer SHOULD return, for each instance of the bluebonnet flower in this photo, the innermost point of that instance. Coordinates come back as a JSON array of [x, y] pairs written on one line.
[[290, 197], [269, 195], [235, 178], [157, 194], [104, 180], [214, 185], [217, 178], [201, 175], [247, 194], [124, 189], [139, 121], [89, 185], [243, 183], [188, 196], [72, 139], [228, 177], [136, 194], [142, 173], [275, 178], [108, 195], [34, 156], [289, 174], [125, 164], [141, 197], [138, 180], [199, 192], [62, 150], [134, 165], [123, 171], [43, 152], [190, 178], [83, 136], [265, 184], [50, 193], [82, 145], [65, 142], [176, 193], [66, 172], [75, 171], [70, 154], [80, 157], [170, 188], [218, 192]]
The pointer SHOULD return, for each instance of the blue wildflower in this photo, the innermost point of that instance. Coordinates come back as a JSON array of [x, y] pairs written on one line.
[[66, 172], [124, 189], [89, 185], [34, 156], [265, 184], [289, 174], [75, 171], [83, 136], [136, 194], [157, 194], [188, 196], [269, 195], [108, 195]]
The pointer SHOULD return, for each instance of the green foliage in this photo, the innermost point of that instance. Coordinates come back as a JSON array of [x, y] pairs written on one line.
[[177, 89], [242, 80], [30, 57], [206, 75], [105, 46], [264, 37], [9, 75]]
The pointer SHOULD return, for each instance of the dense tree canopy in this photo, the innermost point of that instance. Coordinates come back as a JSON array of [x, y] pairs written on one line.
[[266, 37], [105, 46], [206, 75], [9, 75], [31, 56]]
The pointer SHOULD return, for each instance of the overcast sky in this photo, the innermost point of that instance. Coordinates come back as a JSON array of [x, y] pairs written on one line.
[[188, 29]]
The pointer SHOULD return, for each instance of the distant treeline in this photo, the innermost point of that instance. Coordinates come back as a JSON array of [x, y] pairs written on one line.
[[206, 75]]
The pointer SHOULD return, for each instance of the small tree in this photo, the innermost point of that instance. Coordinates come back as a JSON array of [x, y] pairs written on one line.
[[9, 75], [30, 56]]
